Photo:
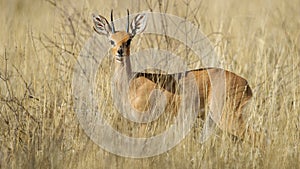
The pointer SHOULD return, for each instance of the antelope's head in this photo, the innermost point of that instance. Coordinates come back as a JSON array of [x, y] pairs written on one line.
[[120, 40]]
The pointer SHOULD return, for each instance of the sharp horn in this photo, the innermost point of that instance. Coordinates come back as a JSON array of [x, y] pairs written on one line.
[[112, 22], [127, 27]]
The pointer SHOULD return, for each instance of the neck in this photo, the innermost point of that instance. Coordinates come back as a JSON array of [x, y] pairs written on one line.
[[123, 69]]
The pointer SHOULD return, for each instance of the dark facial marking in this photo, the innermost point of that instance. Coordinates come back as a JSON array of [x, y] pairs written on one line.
[[128, 43]]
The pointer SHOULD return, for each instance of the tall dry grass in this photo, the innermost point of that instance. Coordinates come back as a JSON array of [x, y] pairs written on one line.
[[259, 40]]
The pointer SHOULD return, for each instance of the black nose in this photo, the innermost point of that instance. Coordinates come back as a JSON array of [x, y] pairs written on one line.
[[120, 51]]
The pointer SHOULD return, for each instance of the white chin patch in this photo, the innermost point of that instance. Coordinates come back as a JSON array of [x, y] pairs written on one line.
[[119, 58]]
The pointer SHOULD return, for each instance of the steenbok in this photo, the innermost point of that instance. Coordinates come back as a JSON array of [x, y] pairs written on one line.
[[237, 90]]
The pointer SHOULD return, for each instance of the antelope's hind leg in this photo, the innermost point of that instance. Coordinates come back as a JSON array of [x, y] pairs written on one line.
[[238, 94]]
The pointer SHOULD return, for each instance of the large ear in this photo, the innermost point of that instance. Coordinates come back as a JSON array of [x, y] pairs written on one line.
[[138, 24], [101, 25]]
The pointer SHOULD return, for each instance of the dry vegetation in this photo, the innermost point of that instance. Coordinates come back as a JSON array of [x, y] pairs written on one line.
[[40, 40]]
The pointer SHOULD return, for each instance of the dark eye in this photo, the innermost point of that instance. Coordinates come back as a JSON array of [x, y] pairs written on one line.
[[128, 42], [112, 43]]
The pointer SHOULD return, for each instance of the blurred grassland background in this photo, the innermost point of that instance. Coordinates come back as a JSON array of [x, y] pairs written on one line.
[[40, 40]]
